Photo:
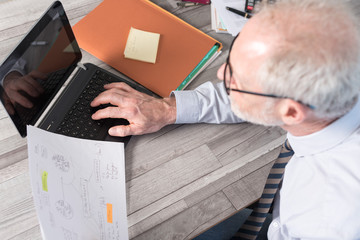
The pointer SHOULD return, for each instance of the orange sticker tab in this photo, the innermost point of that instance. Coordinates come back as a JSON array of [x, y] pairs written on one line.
[[109, 212]]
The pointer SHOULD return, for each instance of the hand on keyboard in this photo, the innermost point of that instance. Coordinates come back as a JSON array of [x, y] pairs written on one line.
[[145, 114]]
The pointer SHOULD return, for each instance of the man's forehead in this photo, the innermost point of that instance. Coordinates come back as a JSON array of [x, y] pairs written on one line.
[[256, 38], [252, 46]]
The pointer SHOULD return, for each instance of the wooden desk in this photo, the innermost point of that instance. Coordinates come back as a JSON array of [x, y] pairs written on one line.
[[180, 180]]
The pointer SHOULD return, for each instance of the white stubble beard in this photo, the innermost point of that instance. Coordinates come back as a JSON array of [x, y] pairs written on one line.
[[264, 116]]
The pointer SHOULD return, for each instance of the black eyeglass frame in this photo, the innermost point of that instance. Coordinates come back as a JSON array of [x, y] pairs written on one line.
[[228, 89]]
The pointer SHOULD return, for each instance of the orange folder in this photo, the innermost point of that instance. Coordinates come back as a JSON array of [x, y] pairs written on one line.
[[104, 31]]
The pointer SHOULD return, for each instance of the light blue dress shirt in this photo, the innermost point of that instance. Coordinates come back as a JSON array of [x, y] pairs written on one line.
[[208, 103]]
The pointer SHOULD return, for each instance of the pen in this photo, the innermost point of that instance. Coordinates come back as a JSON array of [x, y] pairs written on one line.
[[238, 12]]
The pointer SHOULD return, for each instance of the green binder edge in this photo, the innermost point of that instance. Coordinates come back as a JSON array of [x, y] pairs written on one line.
[[213, 50]]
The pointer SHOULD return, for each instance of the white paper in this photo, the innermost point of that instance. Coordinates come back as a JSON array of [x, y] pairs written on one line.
[[233, 22], [78, 186], [216, 22]]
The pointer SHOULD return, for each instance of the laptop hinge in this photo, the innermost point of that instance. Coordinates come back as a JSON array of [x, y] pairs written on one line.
[[82, 66]]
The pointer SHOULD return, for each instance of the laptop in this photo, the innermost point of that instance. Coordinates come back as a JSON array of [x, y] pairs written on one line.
[[44, 84]]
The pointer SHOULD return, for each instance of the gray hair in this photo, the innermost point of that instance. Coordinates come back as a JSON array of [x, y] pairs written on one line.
[[317, 60]]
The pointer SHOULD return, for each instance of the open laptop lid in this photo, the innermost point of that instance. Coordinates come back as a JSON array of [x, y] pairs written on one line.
[[36, 69]]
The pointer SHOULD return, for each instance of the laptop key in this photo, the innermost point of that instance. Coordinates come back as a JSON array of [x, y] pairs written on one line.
[[77, 121]]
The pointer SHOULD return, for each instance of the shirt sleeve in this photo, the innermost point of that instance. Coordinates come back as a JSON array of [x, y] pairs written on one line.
[[208, 103]]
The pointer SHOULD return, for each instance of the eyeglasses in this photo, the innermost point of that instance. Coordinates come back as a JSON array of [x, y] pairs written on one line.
[[227, 81]]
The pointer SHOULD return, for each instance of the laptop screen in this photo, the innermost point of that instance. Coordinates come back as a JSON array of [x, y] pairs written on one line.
[[34, 72]]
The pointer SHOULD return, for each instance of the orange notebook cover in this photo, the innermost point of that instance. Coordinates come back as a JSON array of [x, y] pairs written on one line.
[[104, 31]]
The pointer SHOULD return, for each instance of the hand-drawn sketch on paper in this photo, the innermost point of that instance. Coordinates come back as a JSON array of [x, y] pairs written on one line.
[[78, 186]]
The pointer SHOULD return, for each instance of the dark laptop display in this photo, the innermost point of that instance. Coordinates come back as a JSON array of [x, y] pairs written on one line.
[[36, 71]]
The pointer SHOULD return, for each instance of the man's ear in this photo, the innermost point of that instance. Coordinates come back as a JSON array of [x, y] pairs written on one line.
[[292, 112]]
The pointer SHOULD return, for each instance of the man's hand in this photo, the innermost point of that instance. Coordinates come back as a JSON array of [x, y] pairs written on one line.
[[15, 83], [145, 114]]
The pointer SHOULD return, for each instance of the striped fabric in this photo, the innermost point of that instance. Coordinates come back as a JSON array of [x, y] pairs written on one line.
[[252, 226]]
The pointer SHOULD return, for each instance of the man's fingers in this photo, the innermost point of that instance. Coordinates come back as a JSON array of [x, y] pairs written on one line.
[[136, 107], [121, 131], [109, 112], [113, 96], [119, 85], [124, 88], [106, 97]]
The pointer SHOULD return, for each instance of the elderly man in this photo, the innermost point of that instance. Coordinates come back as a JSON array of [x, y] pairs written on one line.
[[296, 64]]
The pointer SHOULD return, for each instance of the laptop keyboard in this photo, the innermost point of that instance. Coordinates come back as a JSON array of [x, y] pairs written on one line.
[[52, 81], [77, 122]]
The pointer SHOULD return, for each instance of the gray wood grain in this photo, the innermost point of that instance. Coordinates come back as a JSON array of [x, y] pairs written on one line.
[[232, 178], [180, 180], [17, 213], [181, 227], [171, 176], [239, 192], [30, 234]]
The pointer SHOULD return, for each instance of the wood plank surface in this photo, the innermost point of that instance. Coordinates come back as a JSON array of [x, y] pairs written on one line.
[[180, 180]]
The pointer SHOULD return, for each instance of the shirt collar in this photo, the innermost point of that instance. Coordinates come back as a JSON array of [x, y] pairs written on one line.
[[327, 137]]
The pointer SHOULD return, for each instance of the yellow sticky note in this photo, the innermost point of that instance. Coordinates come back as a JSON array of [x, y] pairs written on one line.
[[109, 212], [44, 176], [142, 45]]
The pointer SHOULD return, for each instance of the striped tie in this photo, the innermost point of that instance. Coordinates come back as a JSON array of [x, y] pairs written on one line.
[[252, 226]]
